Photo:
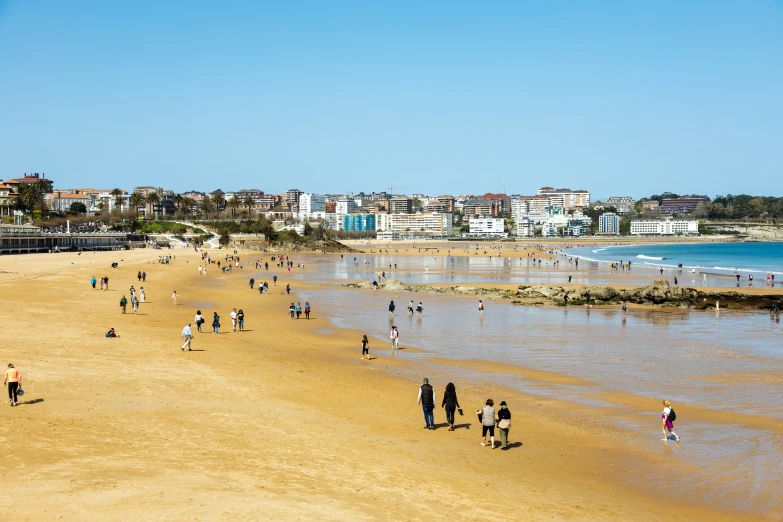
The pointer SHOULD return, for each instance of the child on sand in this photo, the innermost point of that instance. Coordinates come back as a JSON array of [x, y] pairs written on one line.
[[365, 347]]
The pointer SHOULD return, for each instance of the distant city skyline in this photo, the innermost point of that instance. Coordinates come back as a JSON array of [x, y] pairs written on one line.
[[620, 100]]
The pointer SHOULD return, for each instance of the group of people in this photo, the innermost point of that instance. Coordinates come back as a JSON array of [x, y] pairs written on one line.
[[487, 415], [296, 310], [104, 283]]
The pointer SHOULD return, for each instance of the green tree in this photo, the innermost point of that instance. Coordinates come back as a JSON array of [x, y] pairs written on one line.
[[218, 200], [78, 208], [152, 199], [249, 203], [136, 200], [308, 229], [117, 194], [224, 239], [206, 206], [233, 204]]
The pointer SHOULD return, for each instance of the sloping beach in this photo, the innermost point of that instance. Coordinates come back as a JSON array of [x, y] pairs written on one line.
[[284, 421]]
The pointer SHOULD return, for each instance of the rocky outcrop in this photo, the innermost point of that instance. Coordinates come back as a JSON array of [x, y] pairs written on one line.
[[660, 293]]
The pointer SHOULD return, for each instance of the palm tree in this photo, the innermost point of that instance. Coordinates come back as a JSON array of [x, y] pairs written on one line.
[[152, 199], [136, 200], [206, 205], [117, 195], [178, 199], [218, 199], [249, 203], [30, 195], [233, 204], [188, 203]]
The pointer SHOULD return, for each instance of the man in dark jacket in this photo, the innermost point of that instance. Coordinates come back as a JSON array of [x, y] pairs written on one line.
[[427, 401]]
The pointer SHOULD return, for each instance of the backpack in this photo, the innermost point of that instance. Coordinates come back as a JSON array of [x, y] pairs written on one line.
[[672, 416]]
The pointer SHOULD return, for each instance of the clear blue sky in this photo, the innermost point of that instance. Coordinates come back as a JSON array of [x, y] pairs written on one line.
[[619, 98]]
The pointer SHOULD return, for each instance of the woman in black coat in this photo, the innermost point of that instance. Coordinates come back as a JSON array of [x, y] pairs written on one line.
[[451, 403]]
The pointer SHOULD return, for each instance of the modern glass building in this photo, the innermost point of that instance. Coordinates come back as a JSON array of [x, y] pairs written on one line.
[[359, 222]]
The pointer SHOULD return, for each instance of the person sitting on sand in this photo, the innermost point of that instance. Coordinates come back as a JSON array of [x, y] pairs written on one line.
[[111, 333]]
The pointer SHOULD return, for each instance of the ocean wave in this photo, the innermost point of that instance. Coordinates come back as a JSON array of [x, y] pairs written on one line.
[[599, 250], [641, 256]]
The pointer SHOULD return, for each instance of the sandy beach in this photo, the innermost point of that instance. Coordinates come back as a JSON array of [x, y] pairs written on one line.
[[284, 420]]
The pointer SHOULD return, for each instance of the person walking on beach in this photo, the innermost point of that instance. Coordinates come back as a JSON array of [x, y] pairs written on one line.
[[391, 310], [174, 297], [504, 424], [427, 401], [667, 421], [704, 279], [307, 310], [142, 295], [123, 303], [287, 288], [216, 323], [106, 283], [241, 320], [487, 416], [365, 347], [144, 278], [252, 282], [13, 379], [450, 403], [93, 281], [292, 310], [298, 309], [187, 334], [233, 316], [394, 335], [139, 276], [199, 319], [135, 305], [481, 307], [274, 279], [101, 283]]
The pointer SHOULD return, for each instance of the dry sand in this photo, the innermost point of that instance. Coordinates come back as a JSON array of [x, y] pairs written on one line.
[[280, 421]]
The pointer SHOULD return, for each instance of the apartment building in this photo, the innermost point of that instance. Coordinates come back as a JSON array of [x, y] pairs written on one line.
[[609, 223], [664, 227], [480, 207], [623, 204], [572, 199], [680, 205], [426, 224], [486, 226], [311, 203], [359, 222], [400, 205]]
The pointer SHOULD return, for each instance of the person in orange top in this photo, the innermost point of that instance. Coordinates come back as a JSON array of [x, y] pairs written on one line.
[[14, 381]]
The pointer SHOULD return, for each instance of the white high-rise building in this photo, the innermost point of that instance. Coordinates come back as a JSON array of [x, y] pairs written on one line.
[[345, 206], [487, 226], [310, 203]]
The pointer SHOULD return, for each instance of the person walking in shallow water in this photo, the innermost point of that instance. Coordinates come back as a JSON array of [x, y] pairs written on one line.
[[667, 421]]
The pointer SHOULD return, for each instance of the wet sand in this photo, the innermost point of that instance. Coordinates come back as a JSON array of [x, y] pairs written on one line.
[[283, 420]]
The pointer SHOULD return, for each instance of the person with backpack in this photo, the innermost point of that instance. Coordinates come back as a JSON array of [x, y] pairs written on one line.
[[667, 421]]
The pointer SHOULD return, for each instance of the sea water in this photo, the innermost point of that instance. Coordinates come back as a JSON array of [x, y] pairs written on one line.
[[757, 258]]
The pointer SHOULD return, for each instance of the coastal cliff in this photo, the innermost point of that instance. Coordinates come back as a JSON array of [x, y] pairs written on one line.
[[660, 293]]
